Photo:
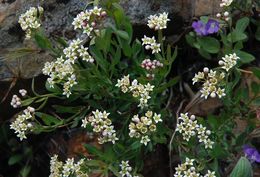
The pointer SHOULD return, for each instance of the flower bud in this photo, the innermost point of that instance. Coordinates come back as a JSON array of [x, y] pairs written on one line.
[[205, 70], [213, 95], [226, 13], [103, 13], [192, 117], [221, 62]]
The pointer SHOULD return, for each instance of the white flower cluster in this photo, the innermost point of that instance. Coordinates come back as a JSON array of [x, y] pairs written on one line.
[[62, 71], [103, 125], [159, 21], [23, 92], [150, 43], [60, 169], [137, 90], [126, 169], [151, 64], [228, 61], [23, 123], [189, 127], [188, 169], [87, 21], [225, 16], [211, 83], [29, 21], [226, 3], [142, 127], [16, 101], [76, 50]]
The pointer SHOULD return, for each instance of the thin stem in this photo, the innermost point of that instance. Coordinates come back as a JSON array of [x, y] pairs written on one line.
[[160, 38], [245, 71], [170, 145]]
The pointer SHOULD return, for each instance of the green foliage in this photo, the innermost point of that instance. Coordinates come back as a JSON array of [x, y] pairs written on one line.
[[242, 168], [117, 53]]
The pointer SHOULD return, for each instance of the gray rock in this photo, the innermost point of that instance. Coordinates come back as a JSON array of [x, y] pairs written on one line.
[[58, 16]]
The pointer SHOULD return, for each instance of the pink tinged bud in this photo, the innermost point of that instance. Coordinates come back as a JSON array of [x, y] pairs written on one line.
[[153, 67], [31, 109], [93, 24], [205, 70], [192, 117], [18, 103], [103, 13], [157, 28], [85, 23], [147, 67], [218, 15]]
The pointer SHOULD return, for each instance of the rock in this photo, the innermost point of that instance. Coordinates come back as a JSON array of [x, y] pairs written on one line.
[[59, 15]]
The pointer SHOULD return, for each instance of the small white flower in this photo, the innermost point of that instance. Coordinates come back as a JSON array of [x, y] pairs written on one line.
[[22, 123], [228, 61], [226, 3], [29, 21], [158, 21], [102, 125]]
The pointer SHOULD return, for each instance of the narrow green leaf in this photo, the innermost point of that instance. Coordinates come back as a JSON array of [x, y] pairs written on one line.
[[48, 119], [256, 72], [242, 24], [243, 168], [15, 159]]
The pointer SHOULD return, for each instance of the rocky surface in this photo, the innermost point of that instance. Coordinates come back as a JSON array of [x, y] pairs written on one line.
[[57, 22]]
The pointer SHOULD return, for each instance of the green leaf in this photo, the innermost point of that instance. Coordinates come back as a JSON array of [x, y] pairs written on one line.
[[209, 44], [15, 159], [238, 45], [243, 168], [204, 19], [101, 61], [244, 56], [42, 41], [122, 34], [242, 24], [25, 171], [93, 150], [48, 119], [204, 53], [171, 83], [256, 72], [236, 36], [54, 89], [28, 101], [67, 109], [257, 33], [190, 39]]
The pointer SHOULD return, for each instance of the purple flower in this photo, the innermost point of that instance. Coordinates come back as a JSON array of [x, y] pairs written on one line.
[[251, 153], [204, 29], [212, 26], [200, 28]]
